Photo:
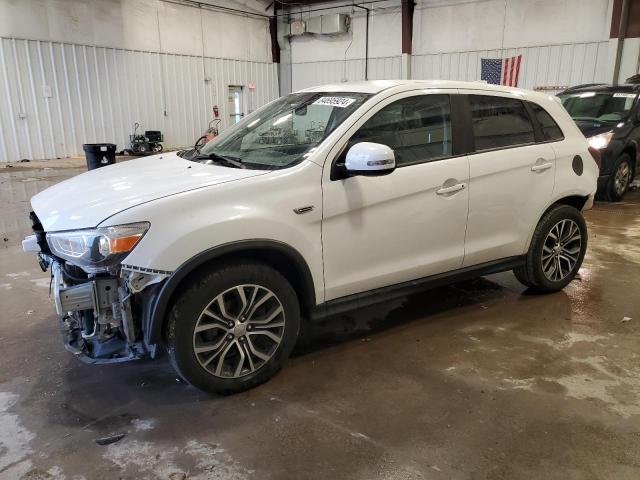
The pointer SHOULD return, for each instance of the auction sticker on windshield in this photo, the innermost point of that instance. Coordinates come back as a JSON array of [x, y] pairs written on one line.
[[341, 102], [624, 95]]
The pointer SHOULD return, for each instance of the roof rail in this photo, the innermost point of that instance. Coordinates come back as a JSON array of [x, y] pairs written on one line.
[[585, 85], [633, 79]]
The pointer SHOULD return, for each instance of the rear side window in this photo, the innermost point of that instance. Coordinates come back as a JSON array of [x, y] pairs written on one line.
[[550, 129], [499, 122], [418, 129]]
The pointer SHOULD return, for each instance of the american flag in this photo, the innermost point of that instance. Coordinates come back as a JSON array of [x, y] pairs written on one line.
[[501, 71]]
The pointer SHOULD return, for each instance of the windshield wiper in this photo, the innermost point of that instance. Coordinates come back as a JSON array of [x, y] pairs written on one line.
[[229, 161]]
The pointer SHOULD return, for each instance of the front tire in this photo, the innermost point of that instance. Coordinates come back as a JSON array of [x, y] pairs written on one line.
[[620, 179], [556, 252], [233, 329]]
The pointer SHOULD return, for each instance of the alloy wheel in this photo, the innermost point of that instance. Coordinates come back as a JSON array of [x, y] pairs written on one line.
[[622, 178], [239, 331], [561, 250]]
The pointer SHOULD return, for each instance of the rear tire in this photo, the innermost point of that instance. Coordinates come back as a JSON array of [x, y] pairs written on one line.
[[620, 179], [223, 336], [556, 252]]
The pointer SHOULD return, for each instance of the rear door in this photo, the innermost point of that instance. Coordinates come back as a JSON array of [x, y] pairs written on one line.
[[511, 177]]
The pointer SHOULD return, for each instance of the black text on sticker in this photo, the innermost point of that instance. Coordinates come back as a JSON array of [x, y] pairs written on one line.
[[341, 102]]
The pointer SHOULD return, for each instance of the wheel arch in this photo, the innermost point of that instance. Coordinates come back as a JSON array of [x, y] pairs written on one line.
[[576, 201], [280, 256]]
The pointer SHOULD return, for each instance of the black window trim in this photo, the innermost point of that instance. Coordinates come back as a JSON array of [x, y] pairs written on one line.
[[462, 138], [538, 125]]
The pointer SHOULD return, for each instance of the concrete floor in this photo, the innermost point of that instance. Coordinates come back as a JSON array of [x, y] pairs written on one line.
[[475, 381]]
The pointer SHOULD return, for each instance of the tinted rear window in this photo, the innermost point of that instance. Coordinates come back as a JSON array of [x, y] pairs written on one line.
[[550, 129], [500, 122]]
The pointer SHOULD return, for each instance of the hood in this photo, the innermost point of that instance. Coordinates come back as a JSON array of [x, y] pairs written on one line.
[[589, 128], [89, 198]]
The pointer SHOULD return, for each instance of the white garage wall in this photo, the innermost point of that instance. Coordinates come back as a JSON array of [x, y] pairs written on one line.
[[79, 72], [308, 74], [317, 59], [563, 42], [542, 66], [458, 26]]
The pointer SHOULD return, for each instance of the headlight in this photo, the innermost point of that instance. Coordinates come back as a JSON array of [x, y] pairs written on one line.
[[600, 141], [97, 249]]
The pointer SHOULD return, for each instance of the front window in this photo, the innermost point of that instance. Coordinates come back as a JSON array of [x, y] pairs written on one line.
[[282, 133], [598, 106], [417, 129]]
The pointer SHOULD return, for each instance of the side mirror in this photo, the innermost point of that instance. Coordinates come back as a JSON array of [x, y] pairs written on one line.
[[372, 159]]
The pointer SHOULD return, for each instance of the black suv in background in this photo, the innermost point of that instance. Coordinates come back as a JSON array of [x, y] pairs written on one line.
[[610, 119]]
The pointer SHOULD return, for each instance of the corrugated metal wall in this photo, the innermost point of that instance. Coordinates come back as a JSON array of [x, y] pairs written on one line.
[[309, 74], [54, 96], [544, 66]]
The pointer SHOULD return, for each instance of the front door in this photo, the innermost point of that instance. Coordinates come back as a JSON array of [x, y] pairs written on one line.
[[511, 179], [380, 231]]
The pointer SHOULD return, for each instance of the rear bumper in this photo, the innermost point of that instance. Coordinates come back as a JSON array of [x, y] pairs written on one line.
[[589, 203]]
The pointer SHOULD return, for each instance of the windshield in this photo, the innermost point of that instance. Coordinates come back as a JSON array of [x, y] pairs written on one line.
[[598, 106], [282, 133]]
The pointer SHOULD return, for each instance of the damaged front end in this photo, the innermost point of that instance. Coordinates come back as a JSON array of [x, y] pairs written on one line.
[[101, 304]]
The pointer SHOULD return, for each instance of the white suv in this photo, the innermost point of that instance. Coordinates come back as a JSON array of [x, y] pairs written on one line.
[[324, 200]]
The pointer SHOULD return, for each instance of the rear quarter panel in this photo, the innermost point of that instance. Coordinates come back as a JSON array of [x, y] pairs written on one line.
[[568, 182]]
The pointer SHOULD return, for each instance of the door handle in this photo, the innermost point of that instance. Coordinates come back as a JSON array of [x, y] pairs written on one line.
[[451, 189], [541, 165]]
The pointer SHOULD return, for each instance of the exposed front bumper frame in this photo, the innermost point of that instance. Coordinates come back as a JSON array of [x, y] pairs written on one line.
[[75, 343], [108, 301]]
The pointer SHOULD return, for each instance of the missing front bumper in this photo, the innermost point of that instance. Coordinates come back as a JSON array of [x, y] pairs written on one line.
[[97, 351], [97, 318]]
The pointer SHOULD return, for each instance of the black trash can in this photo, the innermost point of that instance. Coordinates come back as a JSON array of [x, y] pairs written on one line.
[[99, 154]]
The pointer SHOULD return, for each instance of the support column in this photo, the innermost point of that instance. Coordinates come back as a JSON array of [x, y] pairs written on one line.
[[622, 30], [273, 31], [284, 54], [405, 66], [624, 42], [407, 37]]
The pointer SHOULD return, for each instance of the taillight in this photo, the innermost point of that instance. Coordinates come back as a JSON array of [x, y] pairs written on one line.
[[597, 156]]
